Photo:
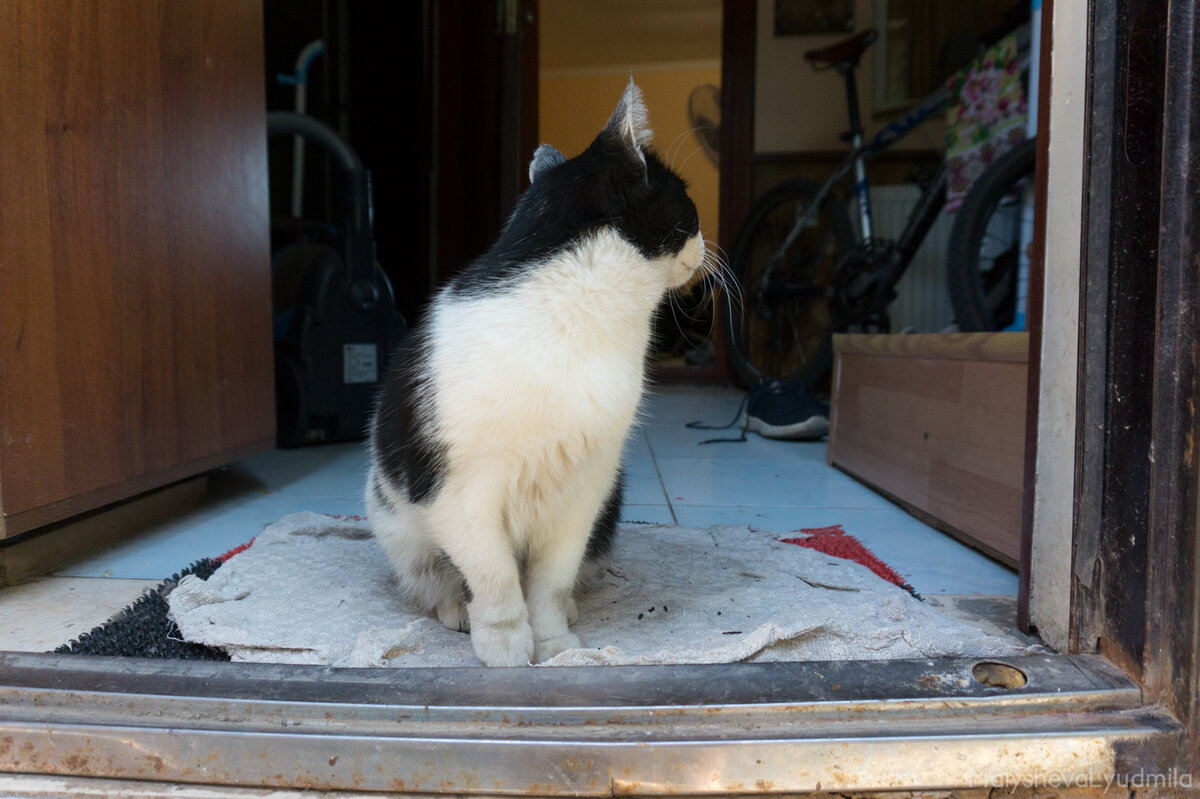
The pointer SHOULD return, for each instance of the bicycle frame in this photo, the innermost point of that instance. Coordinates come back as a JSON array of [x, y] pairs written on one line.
[[862, 152], [923, 215], [933, 104]]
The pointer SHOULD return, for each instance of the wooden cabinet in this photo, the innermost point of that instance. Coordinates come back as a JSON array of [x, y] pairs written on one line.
[[135, 332]]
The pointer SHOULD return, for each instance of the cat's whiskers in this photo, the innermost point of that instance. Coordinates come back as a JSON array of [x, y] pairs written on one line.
[[717, 265], [677, 142], [671, 159], [711, 274], [699, 148], [673, 302], [722, 278]]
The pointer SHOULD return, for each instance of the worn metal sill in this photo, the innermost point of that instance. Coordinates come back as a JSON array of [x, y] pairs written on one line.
[[742, 728]]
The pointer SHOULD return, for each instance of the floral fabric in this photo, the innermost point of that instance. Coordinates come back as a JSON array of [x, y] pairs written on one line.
[[986, 116]]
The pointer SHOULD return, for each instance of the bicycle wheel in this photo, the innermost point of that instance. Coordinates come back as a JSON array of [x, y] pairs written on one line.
[[782, 327], [984, 251]]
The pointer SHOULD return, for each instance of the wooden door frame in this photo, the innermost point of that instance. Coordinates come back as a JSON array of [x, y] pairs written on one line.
[[1033, 318], [738, 56], [739, 27], [484, 125], [1135, 592]]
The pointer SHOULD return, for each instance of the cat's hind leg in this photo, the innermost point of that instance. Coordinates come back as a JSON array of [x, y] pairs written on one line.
[[427, 578], [598, 556]]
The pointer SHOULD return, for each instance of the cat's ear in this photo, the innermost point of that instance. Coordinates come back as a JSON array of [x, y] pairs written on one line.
[[544, 157], [629, 126]]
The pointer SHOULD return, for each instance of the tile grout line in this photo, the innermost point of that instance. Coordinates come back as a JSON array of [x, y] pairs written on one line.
[[658, 473]]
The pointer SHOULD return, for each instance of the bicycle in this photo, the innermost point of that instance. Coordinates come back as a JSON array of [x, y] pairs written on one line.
[[987, 242], [806, 273]]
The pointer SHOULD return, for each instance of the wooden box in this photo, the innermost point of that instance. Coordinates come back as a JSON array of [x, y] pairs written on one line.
[[937, 423]]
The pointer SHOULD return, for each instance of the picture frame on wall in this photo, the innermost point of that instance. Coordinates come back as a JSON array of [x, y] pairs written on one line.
[[806, 17]]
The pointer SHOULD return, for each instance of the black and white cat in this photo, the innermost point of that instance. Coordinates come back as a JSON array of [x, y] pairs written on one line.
[[495, 448]]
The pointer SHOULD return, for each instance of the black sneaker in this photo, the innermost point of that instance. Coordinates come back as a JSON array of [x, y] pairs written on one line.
[[777, 409]]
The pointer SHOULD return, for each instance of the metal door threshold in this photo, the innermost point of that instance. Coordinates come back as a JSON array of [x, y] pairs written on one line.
[[722, 729]]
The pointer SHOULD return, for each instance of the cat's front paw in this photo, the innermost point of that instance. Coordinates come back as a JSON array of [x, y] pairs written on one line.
[[552, 646], [509, 644]]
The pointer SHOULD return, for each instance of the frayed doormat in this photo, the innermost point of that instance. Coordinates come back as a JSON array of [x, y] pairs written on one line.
[[315, 589]]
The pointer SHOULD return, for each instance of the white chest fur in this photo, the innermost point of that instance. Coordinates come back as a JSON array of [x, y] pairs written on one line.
[[553, 360]]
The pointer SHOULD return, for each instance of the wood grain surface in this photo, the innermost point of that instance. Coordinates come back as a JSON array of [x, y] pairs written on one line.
[[945, 436], [1012, 347], [134, 252]]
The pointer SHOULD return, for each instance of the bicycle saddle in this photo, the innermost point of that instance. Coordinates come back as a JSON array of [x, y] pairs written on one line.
[[845, 52]]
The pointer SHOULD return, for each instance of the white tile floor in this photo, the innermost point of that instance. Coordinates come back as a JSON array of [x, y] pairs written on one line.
[[671, 478]]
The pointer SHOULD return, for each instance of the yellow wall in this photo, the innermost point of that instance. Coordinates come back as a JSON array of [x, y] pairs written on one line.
[[572, 109]]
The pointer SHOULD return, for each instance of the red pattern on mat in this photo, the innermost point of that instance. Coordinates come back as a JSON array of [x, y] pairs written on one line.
[[833, 541], [234, 551]]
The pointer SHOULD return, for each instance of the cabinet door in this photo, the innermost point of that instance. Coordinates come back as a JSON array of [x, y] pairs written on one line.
[[135, 333]]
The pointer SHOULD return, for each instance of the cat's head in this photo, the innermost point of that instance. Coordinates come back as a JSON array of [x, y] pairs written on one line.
[[620, 183]]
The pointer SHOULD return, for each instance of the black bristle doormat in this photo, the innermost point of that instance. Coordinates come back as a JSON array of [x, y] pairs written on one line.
[[144, 630]]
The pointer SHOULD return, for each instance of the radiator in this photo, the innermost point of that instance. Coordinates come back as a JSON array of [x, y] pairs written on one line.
[[922, 304]]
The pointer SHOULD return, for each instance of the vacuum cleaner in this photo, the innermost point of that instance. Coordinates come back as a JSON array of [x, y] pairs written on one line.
[[334, 310]]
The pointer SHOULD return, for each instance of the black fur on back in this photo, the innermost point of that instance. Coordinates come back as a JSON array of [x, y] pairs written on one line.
[[408, 457], [608, 185]]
